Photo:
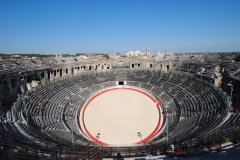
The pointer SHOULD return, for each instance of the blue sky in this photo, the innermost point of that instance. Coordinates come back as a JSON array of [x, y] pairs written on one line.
[[73, 26]]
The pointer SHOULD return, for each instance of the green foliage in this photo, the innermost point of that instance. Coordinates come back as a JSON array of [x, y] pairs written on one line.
[[106, 56], [80, 54]]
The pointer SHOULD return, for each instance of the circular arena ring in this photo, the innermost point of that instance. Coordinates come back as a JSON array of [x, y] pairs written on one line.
[[119, 114], [142, 111]]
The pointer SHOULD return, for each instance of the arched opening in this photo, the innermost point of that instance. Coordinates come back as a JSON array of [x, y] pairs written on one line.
[[48, 74], [29, 79], [66, 70], [72, 71], [42, 75], [60, 72], [167, 67], [13, 84]]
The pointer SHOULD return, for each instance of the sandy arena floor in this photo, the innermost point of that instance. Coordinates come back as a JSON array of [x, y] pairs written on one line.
[[118, 114]]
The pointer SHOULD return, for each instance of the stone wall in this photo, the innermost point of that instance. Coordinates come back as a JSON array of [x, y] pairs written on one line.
[[16, 83]]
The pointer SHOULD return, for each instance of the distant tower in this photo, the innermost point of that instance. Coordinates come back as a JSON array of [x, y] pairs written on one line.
[[148, 48]]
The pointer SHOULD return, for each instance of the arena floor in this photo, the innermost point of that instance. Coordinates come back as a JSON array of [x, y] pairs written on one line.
[[118, 114]]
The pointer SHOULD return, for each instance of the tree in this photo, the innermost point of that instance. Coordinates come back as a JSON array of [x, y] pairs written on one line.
[[106, 56]]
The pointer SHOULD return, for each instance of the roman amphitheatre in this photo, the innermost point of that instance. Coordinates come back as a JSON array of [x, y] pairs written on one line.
[[106, 107]]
